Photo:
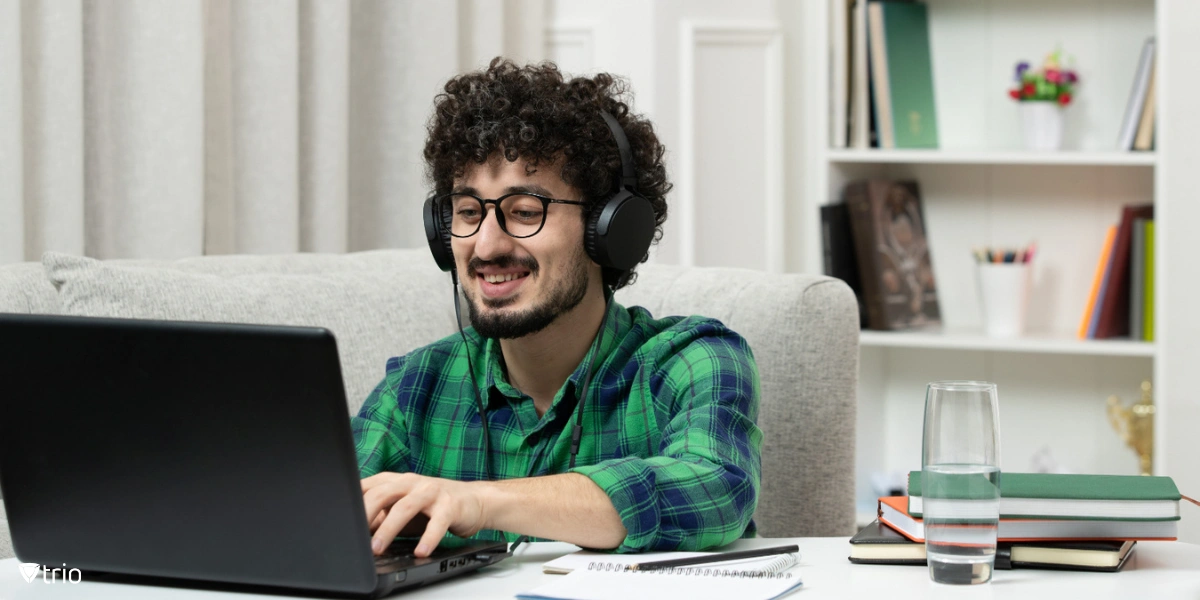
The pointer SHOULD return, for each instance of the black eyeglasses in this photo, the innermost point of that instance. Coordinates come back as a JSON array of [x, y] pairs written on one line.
[[520, 215]]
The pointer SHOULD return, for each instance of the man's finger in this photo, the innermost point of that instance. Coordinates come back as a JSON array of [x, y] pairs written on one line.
[[381, 497], [378, 520], [376, 479], [399, 515], [434, 532]]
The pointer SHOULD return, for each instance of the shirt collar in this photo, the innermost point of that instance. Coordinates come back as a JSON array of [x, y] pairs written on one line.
[[617, 323]]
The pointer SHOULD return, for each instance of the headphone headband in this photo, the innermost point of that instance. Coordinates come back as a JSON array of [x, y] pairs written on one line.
[[628, 177]]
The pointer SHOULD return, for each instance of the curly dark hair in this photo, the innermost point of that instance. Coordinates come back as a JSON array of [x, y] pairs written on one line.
[[533, 113]]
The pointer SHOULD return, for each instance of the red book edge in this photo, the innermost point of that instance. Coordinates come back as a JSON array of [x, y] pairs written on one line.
[[900, 503], [1114, 309]]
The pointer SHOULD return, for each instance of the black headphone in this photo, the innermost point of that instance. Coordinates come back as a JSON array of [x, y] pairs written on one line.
[[618, 232]]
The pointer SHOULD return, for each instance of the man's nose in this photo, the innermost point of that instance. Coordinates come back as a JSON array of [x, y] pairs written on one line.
[[490, 240]]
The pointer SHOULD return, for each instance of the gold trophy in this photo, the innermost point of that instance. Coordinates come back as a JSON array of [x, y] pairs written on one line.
[[1135, 424]]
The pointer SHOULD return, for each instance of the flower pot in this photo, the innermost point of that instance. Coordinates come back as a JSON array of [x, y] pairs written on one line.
[[1042, 124]]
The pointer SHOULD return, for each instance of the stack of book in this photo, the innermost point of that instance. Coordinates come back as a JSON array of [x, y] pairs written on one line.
[[1047, 521], [882, 87], [1121, 300]]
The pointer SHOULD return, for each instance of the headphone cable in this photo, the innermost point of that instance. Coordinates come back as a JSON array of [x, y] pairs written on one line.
[[577, 430], [487, 442]]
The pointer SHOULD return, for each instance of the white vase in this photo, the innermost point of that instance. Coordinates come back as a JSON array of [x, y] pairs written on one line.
[[1042, 124]]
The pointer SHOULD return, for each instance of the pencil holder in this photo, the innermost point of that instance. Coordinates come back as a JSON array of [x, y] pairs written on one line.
[[1004, 294]]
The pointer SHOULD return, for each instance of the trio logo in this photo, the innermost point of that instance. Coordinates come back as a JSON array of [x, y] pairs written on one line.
[[29, 571]]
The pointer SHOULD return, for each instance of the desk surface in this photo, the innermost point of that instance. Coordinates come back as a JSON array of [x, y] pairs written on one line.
[[1156, 570]]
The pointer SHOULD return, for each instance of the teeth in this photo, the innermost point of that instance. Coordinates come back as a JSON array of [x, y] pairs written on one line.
[[501, 278]]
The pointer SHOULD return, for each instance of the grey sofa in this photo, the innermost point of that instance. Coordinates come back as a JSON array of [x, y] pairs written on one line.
[[802, 328]]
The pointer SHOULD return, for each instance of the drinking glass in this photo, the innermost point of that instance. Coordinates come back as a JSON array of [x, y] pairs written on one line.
[[960, 480]]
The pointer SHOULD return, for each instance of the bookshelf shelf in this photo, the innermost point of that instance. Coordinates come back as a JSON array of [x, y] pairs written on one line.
[[1046, 343], [992, 157], [981, 188]]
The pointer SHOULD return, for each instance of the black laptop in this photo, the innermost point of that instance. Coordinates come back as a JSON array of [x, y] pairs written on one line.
[[193, 451]]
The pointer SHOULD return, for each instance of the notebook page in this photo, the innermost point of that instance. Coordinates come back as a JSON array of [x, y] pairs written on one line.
[[623, 585], [581, 559]]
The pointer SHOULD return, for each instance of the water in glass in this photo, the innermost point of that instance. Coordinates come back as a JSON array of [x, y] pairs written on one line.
[[961, 515]]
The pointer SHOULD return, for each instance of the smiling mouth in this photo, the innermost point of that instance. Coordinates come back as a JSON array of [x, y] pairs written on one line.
[[503, 277]]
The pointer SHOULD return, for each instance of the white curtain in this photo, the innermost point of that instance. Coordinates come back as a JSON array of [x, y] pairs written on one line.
[[162, 129]]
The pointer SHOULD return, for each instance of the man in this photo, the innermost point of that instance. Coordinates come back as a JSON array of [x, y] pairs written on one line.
[[668, 453]]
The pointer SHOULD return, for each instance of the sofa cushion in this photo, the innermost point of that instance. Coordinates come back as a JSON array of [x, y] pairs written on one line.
[[24, 289], [377, 304]]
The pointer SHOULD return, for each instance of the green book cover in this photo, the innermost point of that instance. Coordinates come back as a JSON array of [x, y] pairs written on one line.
[[1075, 487], [1148, 297], [910, 74]]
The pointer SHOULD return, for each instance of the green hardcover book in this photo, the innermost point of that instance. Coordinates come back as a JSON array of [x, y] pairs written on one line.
[[1070, 496], [1148, 296], [910, 74]]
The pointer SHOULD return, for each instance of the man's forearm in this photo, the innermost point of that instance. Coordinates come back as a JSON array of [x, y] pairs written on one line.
[[568, 507]]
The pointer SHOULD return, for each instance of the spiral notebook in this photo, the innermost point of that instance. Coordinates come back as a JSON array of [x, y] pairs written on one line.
[[756, 579]]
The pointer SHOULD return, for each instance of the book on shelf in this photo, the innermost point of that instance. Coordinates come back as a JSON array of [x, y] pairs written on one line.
[[1102, 293], [1135, 106], [902, 75], [1148, 285], [840, 36], [892, 249], [837, 240], [1063, 496], [1145, 131], [860, 76], [893, 511], [1137, 281], [878, 544], [1113, 303], [1085, 326]]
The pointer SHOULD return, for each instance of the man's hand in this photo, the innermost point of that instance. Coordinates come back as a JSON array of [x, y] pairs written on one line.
[[567, 507], [406, 503]]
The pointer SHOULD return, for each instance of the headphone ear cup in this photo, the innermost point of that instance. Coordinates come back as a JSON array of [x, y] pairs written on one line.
[[619, 233], [436, 216], [590, 244]]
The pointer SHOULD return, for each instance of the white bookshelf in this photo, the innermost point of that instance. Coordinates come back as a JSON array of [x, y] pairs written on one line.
[[993, 157], [974, 339], [980, 188]]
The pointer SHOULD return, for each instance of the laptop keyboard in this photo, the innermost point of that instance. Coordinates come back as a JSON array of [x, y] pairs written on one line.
[[397, 552]]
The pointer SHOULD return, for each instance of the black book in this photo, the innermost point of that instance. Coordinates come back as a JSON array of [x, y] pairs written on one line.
[[837, 239], [878, 544]]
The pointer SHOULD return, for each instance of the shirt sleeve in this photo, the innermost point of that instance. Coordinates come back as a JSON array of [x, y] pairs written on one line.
[[380, 429], [701, 491]]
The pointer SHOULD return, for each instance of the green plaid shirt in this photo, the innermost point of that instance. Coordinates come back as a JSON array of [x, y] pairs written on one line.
[[669, 427]]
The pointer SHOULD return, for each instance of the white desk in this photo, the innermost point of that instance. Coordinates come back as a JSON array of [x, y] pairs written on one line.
[[1156, 570]]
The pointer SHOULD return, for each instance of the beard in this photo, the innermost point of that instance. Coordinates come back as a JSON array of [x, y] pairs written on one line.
[[565, 295]]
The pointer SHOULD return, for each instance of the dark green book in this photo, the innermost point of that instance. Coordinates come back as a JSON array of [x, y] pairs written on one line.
[[908, 69], [1073, 496], [878, 544]]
